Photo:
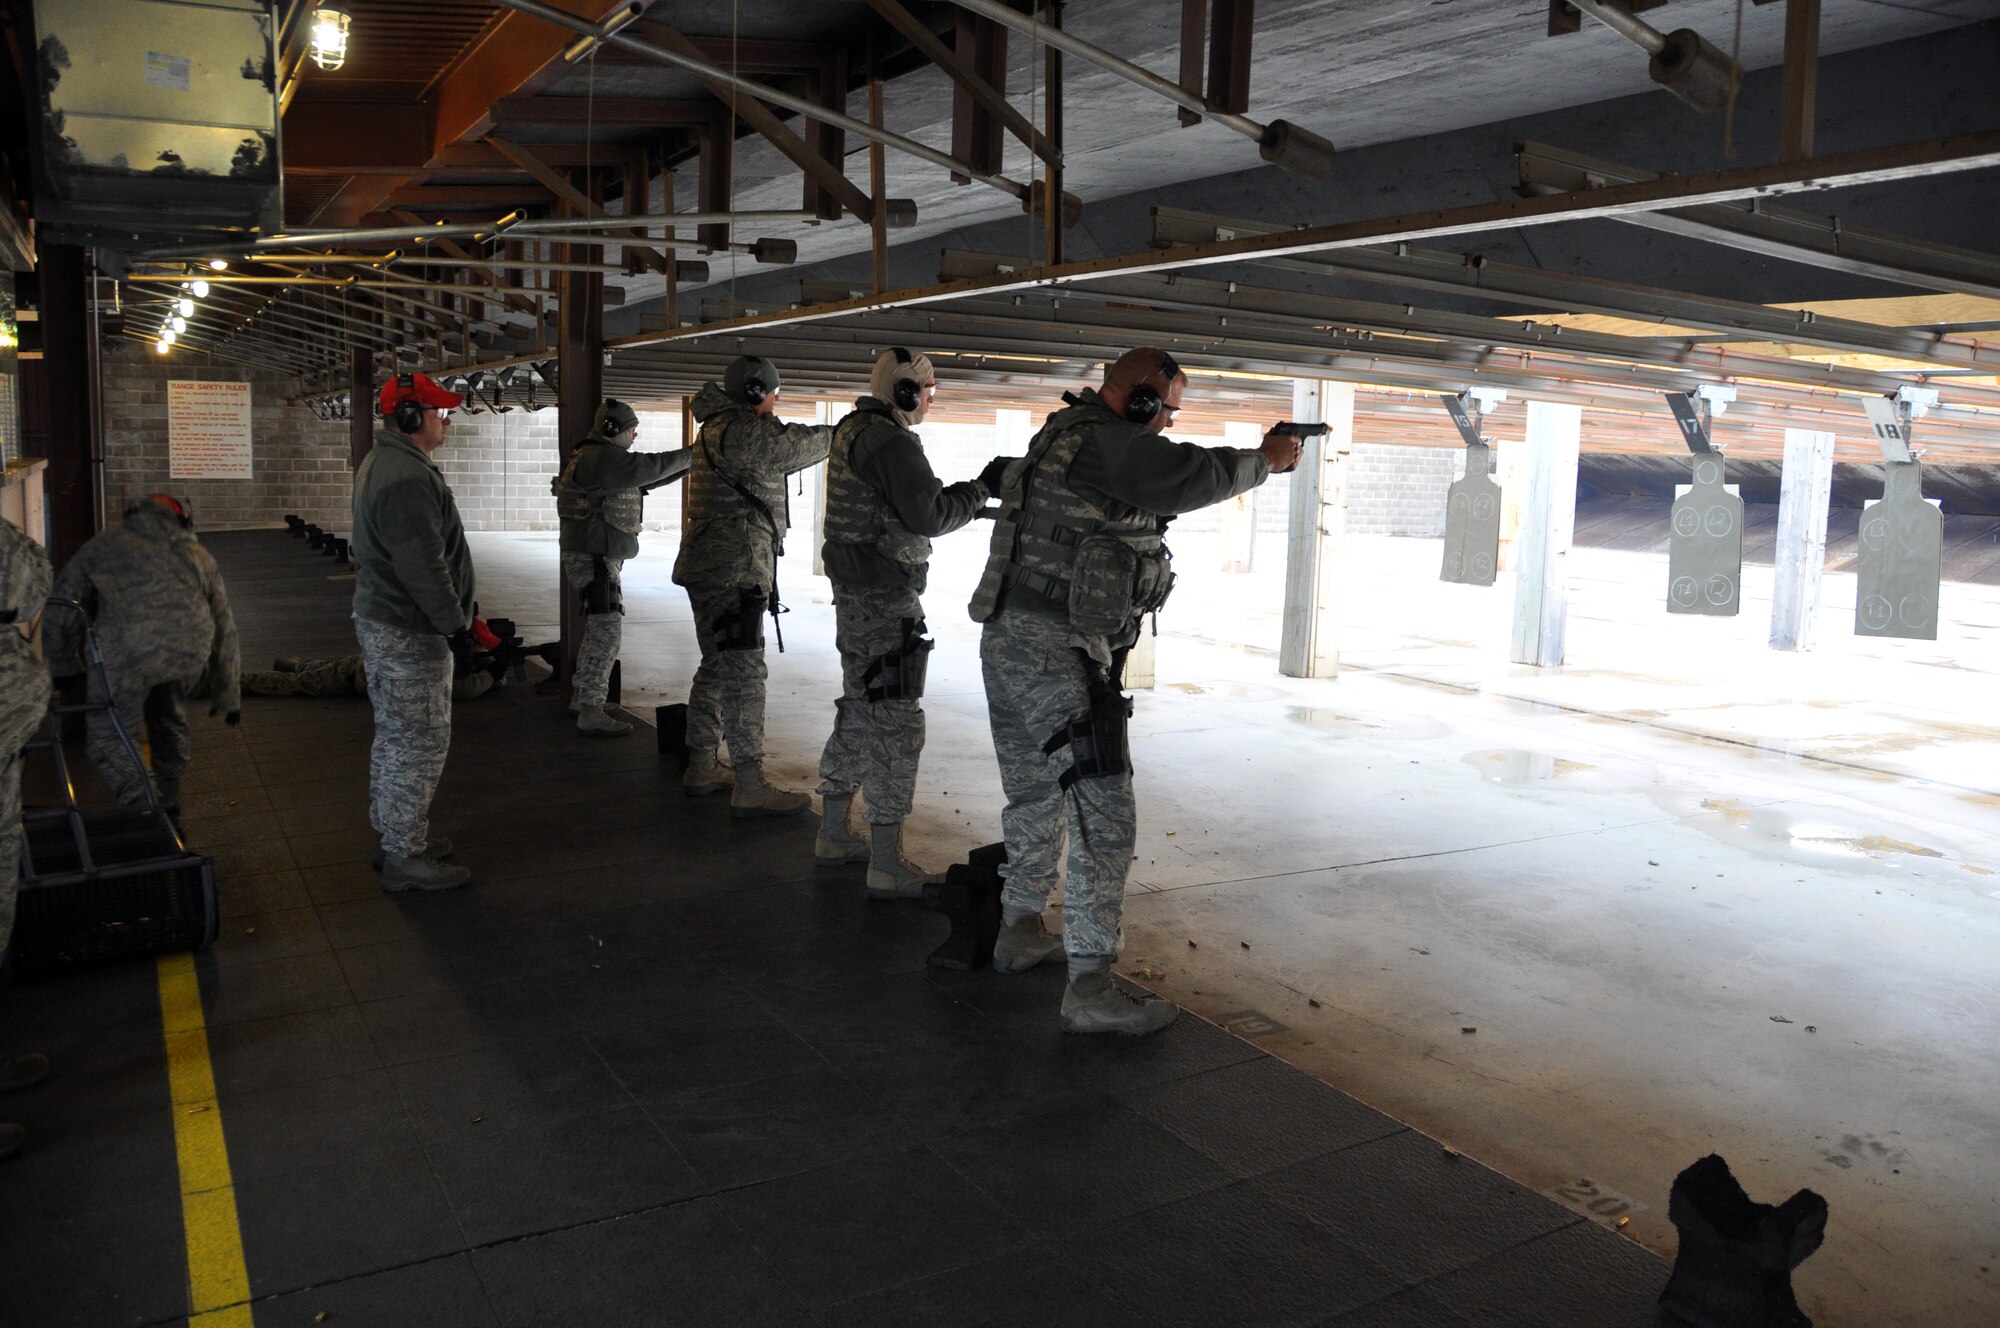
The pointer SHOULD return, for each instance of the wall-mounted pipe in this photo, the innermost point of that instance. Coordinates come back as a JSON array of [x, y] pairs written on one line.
[[1683, 62], [1282, 143]]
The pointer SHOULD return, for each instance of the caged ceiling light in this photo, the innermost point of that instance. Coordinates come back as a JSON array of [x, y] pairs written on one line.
[[329, 36], [200, 289], [186, 306]]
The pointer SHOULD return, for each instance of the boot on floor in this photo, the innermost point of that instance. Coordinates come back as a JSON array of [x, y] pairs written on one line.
[[1092, 1003], [753, 797], [400, 874], [835, 845], [591, 719], [1024, 944], [890, 874], [705, 775], [437, 846]]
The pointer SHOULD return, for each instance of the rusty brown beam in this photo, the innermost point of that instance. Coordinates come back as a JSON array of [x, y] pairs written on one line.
[[569, 194], [982, 92]]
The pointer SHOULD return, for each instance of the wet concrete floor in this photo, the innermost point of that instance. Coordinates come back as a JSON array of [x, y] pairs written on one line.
[[1683, 895]]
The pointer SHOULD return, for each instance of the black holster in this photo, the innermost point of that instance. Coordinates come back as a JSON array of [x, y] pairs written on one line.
[[602, 595], [899, 675], [742, 628], [1098, 739]]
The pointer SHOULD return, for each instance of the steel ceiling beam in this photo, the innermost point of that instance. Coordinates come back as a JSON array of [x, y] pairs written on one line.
[[1798, 237], [994, 102], [1564, 292], [1961, 152]]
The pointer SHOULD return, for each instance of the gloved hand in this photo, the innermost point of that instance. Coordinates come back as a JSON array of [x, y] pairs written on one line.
[[463, 654], [992, 475]]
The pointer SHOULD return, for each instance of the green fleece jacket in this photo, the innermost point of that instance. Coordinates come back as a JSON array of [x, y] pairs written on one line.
[[412, 567]]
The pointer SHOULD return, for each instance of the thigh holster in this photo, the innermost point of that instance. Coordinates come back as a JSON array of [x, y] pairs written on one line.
[[1097, 739], [742, 627], [603, 594], [899, 675]]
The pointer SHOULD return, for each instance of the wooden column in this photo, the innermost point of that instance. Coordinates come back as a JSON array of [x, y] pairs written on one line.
[[1548, 521], [362, 420], [1801, 92], [1800, 556], [579, 391], [68, 368], [1309, 646]]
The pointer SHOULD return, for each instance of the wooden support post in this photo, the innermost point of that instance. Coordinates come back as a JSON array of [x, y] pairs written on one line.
[[579, 389], [1800, 556], [1309, 646], [1194, 34], [1548, 521], [68, 370], [716, 178], [878, 223], [1801, 93], [671, 306], [1052, 171]]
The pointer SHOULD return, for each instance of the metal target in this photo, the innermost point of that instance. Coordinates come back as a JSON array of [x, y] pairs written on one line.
[[1705, 551], [1472, 523], [1901, 562]]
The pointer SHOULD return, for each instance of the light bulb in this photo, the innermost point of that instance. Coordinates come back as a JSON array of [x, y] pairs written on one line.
[[200, 289], [329, 37], [218, 264], [186, 307], [160, 346], [167, 337], [179, 324]]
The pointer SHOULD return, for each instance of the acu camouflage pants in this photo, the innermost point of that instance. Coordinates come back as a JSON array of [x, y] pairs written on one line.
[[24, 700], [875, 744], [151, 712], [313, 677], [409, 684], [602, 632], [1035, 685], [726, 700]]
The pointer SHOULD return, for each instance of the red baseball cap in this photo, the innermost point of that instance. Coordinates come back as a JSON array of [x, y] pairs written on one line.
[[418, 388]]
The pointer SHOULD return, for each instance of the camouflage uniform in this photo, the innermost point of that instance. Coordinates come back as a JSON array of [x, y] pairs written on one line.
[[413, 589], [163, 625], [600, 496], [728, 558], [344, 677], [24, 696], [1090, 494], [883, 505]]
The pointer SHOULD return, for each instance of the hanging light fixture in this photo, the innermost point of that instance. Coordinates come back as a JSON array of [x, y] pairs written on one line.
[[218, 264], [160, 346], [186, 306], [167, 337], [178, 323], [329, 36], [200, 289]]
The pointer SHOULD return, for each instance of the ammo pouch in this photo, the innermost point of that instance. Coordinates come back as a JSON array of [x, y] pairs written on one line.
[[742, 628], [1096, 739], [900, 676], [1112, 584], [602, 595]]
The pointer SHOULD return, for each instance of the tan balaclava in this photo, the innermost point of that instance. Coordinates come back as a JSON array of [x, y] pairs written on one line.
[[897, 365]]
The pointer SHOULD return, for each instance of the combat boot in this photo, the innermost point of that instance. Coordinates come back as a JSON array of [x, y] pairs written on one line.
[[753, 797], [1023, 944], [400, 874], [1092, 1003], [591, 719], [169, 791], [705, 775], [437, 846], [890, 874], [835, 845]]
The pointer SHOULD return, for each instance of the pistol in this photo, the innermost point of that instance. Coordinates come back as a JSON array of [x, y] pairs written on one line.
[[1293, 429]]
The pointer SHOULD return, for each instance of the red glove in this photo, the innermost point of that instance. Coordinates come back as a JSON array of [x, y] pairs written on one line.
[[482, 635]]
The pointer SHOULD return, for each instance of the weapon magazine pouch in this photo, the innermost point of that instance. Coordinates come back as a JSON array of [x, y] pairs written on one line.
[[1113, 583], [742, 628], [602, 595], [900, 676], [1097, 739]]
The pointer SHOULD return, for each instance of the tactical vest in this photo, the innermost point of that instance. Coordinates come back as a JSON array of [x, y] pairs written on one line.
[[621, 509], [1104, 565], [723, 492], [856, 512]]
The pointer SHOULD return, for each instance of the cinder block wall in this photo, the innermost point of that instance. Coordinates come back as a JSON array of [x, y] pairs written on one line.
[[1397, 490], [499, 465]]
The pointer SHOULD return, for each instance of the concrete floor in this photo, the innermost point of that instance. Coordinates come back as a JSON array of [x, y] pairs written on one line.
[[1684, 895]]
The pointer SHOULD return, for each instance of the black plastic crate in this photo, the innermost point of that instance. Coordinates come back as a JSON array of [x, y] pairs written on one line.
[[145, 895]]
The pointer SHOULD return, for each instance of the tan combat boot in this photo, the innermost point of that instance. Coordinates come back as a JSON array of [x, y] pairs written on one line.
[[890, 874], [835, 845], [705, 775], [1092, 1003], [1024, 944], [753, 797], [591, 719]]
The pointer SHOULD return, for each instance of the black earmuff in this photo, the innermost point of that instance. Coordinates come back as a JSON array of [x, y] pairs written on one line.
[[1145, 401], [409, 412], [907, 393], [754, 391]]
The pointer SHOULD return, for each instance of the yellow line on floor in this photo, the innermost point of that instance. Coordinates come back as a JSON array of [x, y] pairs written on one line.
[[218, 1281]]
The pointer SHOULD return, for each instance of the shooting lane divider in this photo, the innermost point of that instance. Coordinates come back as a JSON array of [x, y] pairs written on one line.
[[218, 1280]]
